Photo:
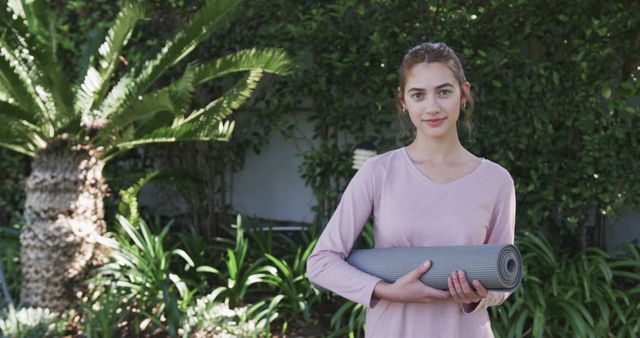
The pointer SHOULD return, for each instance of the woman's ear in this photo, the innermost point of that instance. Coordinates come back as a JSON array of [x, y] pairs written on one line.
[[466, 92], [401, 99]]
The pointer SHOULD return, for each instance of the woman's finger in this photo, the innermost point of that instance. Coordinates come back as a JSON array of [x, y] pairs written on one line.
[[466, 288], [452, 290], [480, 289], [457, 286], [419, 270]]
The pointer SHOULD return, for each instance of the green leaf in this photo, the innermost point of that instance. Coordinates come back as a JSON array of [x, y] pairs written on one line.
[[208, 269], [206, 120], [538, 323], [266, 60], [182, 90], [184, 256], [130, 231], [606, 92], [574, 318], [17, 134], [15, 79], [16, 113], [96, 79]]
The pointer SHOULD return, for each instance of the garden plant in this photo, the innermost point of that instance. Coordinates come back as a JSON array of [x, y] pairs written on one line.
[[71, 132]]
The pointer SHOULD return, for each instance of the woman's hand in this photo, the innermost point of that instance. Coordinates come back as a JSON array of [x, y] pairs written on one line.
[[461, 290], [409, 288]]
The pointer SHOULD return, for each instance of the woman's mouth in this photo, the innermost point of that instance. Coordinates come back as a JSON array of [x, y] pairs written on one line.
[[434, 122]]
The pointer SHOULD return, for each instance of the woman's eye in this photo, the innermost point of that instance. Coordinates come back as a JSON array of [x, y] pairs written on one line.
[[445, 92], [416, 95]]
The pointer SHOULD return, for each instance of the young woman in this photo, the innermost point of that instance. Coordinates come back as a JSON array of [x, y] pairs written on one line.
[[432, 192]]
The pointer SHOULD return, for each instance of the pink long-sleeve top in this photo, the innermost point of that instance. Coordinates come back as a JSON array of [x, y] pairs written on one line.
[[409, 210]]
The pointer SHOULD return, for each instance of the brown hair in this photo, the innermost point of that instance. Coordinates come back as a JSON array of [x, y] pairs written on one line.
[[430, 52]]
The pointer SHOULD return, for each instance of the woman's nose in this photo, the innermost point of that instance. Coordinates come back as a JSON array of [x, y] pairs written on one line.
[[431, 105]]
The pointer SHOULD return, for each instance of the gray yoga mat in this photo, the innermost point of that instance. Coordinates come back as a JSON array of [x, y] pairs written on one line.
[[497, 266]]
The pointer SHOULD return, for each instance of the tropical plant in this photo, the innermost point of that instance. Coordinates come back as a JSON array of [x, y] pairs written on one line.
[[103, 312], [291, 282], [29, 322], [571, 294], [128, 206], [140, 265], [209, 317], [71, 132], [349, 320], [201, 253], [627, 267], [240, 272]]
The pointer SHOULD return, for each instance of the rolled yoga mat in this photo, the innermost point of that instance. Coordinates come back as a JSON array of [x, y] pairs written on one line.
[[497, 266]]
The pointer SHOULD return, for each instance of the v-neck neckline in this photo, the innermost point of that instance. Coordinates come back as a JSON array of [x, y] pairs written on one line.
[[428, 180]]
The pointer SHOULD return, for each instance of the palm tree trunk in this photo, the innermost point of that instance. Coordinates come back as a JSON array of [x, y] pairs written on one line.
[[64, 212]]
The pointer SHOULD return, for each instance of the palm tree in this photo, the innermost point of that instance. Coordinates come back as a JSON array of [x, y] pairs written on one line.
[[71, 132]]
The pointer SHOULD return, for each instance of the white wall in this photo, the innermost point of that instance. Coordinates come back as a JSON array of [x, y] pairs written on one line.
[[625, 228], [269, 186]]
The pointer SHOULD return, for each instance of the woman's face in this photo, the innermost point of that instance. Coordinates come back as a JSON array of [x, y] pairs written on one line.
[[433, 97]]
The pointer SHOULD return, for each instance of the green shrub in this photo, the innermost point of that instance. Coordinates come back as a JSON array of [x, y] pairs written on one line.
[[209, 317], [29, 322], [140, 265], [349, 320], [567, 294], [239, 272], [554, 95], [103, 312], [291, 282]]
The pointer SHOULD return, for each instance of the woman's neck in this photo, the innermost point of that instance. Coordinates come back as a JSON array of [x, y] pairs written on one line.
[[438, 150]]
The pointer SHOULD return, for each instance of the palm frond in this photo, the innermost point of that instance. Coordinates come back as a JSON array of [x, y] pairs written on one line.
[[16, 80], [141, 109], [181, 91], [13, 111], [213, 15], [33, 36], [16, 133], [16, 7], [252, 60], [96, 80], [219, 109], [269, 60], [222, 132], [201, 125], [180, 94], [37, 18], [4, 95], [18, 148]]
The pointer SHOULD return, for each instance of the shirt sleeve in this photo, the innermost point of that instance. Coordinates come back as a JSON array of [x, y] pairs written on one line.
[[501, 231], [326, 266]]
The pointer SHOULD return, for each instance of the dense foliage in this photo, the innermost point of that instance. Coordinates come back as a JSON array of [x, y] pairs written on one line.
[[555, 92], [556, 103]]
